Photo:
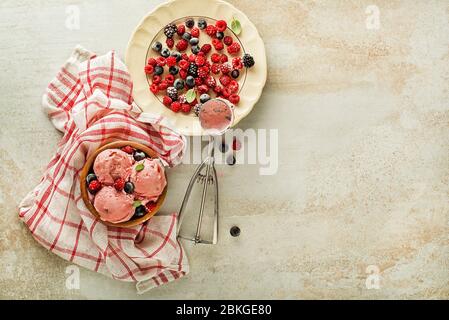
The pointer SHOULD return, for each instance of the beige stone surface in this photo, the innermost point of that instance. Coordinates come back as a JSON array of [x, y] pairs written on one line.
[[363, 119]]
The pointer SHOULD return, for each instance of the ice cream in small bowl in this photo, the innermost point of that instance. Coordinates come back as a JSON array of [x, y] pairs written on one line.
[[123, 183]]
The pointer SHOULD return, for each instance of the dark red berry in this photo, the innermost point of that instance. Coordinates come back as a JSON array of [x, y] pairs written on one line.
[[206, 48], [94, 186], [166, 100], [170, 42], [234, 98], [119, 184], [128, 149], [228, 40], [195, 32], [221, 25]]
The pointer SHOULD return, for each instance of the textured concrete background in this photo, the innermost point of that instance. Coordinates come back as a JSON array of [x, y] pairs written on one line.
[[363, 118]]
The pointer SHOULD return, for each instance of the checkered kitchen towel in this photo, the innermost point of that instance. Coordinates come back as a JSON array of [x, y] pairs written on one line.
[[90, 102]]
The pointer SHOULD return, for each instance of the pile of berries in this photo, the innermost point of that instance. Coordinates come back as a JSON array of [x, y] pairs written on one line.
[[210, 69]]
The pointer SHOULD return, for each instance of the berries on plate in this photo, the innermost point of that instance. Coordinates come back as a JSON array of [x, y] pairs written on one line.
[[190, 23], [119, 184], [234, 48], [140, 211], [139, 155], [128, 149], [157, 46], [248, 60], [221, 25], [202, 24], [170, 30], [91, 177], [129, 187], [94, 186]]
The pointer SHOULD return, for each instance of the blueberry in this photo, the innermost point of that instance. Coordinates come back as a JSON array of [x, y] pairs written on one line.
[[173, 70], [129, 187], [235, 74], [91, 177], [177, 55], [234, 231], [179, 84], [204, 97], [158, 70], [157, 46], [202, 24], [219, 35], [230, 160], [194, 41], [165, 53], [196, 49], [190, 81], [190, 23], [139, 155], [223, 147], [187, 36], [140, 211]]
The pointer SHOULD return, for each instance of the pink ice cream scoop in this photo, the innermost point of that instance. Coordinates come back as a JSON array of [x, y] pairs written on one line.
[[148, 178], [215, 116], [111, 164], [114, 206]]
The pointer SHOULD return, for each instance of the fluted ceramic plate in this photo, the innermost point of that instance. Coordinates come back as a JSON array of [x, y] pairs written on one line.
[[151, 28]]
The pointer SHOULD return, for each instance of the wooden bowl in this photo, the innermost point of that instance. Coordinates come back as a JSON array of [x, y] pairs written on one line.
[[88, 168]]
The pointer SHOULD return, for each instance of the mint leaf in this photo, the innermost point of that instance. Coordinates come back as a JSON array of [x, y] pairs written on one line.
[[140, 167], [236, 27], [190, 95], [137, 203]]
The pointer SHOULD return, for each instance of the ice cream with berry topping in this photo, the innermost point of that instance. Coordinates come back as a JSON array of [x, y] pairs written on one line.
[[215, 116], [113, 205], [148, 178], [112, 164]]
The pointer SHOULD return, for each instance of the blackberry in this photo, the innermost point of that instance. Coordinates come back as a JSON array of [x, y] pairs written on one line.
[[172, 93], [190, 23], [197, 109], [193, 70], [248, 60], [170, 30], [202, 24]]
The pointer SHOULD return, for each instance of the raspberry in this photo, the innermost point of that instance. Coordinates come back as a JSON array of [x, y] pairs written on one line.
[[233, 86], [234, 98], [203, 72], [221, 25], [203, 88], [228, 40], [186, 108], [185, 56], [157, 79], [210, 81], [217, 89], [152, 62], [128, 149], [171, 61], [211, 30], [234, 48], [154, 88], [160, 61], [119, 184], [170, 42], [163, 85], [225, 80], [166, 100], [225, 68], [170, 79], [223, 58], [218, 45], [200, 60], [181, 29], [225, 93], [175, 106], [237, 63], [206, 48], [215, 68], [149, 69], [195, 32], [184, 65], [182, 45], [94, 186], [201, 53], [192, 57], [198, 81], [183, 74], [215, 57]]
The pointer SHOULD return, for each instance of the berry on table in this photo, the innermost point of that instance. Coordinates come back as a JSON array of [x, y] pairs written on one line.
[[200, 60], [181, 29], [152, 62], [248, 60], [149, 69], [210, 81], [187, 36], [195, 32], [173, 70], [215, 68], [139, 155], [211, 30], [165, 52], [198, 81], [177, 55], [237, 63], [175, 106], [196, 49], [161, 61], [234, 48], [169, 79], [119, 184], [94, 186], [235, 73], [203, 72], [157, 79], [182, 74], [179, 84], [194, 41], [185, 107], [228, 40], [215, 57], [218, 45], [166, 100], [184, 64], [219, 35], [193, 70], [225, 80], [170, 42], [203, 88], [234, 98], [163, 85], [225, 92], [171, 61], [182, 45], [233, 86], [172, 93], [206, 48], [225, 68], [129, 187], [154, 88], [190, 81], [223, 58], [158, 70], [190, 23]]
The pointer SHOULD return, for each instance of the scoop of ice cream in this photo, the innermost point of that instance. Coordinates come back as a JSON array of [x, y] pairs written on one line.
[[114, 206], [111, 164], [215, 116], [148, 178]]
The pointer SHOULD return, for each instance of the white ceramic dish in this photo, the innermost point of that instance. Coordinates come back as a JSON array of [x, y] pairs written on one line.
[[150, 30]]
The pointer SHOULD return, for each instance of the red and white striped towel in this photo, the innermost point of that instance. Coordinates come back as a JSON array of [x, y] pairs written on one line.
[[90, 102]]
